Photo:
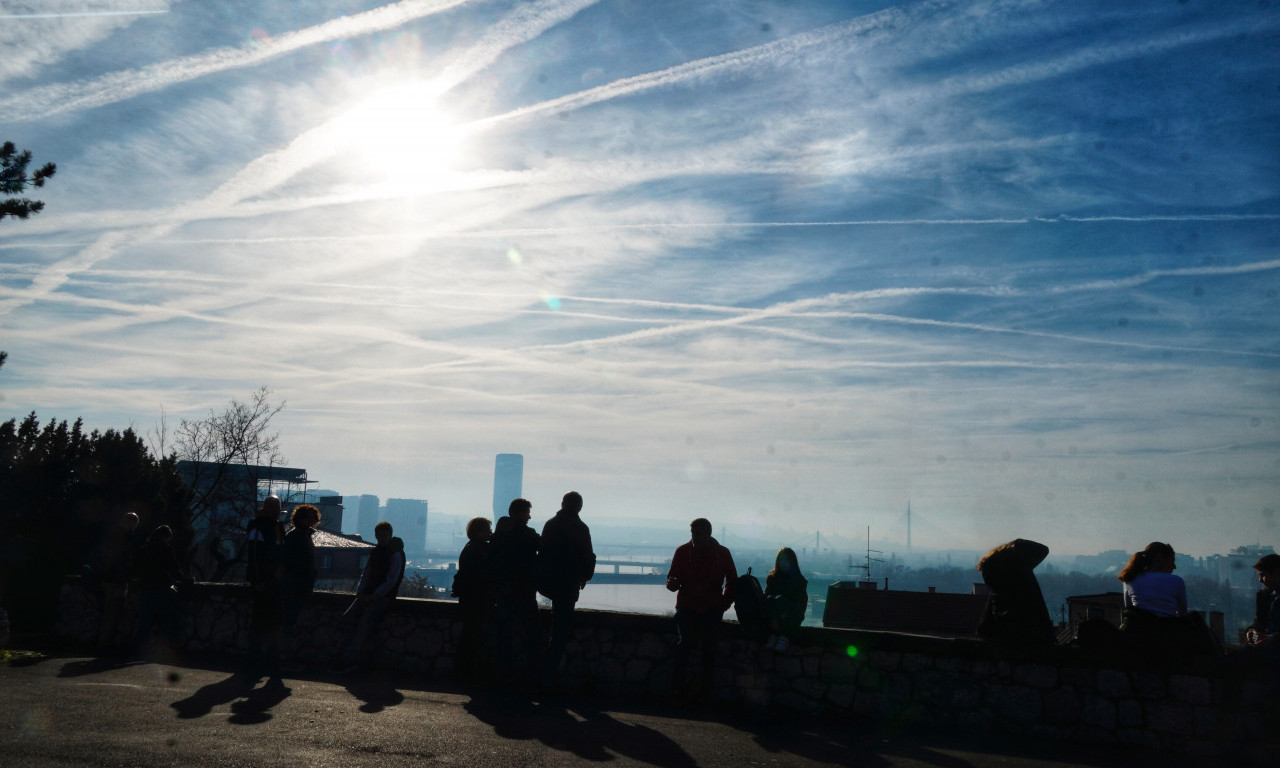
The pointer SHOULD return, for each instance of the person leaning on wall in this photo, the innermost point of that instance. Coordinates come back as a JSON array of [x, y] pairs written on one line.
[[1016, 613]]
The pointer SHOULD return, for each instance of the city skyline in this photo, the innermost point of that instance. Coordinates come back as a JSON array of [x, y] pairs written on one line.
[[788, 264]]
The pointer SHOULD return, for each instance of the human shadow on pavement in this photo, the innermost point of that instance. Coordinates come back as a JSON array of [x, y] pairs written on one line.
[[597, 737], [377, 692], [256, 706], [203, 701]]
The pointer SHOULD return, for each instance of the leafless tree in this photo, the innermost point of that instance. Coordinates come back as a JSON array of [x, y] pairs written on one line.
[[221, 456]]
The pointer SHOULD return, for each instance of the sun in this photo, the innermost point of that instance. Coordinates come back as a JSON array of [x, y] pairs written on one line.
[[399, 135]]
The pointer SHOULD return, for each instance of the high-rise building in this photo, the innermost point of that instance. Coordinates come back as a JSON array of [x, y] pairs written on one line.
[[508, 481], [408, 518], [367, 516]]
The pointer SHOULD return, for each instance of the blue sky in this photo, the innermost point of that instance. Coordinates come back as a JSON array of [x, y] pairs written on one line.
[[777, 264]]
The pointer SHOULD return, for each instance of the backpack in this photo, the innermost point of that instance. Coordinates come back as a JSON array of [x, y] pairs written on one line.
[[748, 601]]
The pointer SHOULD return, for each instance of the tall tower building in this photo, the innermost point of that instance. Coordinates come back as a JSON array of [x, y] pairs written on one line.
[[408, 518], [508, 481], [367, 516]]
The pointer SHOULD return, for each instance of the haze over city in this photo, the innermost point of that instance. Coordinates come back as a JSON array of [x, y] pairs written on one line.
[[782, 265]]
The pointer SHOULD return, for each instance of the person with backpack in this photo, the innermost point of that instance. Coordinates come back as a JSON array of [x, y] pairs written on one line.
[[786, 596], [703, 576]]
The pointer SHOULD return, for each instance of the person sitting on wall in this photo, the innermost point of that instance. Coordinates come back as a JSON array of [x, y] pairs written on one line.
[[702, 575], [1265, 629], [786, 598], [471, 586], [1155, 606], [379, 583], [1016, 614]]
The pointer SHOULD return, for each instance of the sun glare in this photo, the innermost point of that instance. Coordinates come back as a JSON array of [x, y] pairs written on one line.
[[400, 136]]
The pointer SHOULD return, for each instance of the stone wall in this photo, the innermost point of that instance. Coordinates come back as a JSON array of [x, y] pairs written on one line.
[[895, 681]]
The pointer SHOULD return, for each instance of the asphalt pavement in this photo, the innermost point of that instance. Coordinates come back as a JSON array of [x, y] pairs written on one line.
[[78, 711]]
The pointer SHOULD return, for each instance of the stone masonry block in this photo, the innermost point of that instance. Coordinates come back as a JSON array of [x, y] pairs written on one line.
[[1099, 712], [886, 660], [638, 670], [1114, 684], [812, 688], [1129, 713], [835, 668], [1015, 703], [841, 695], [870, 679], [898, 686], [1061, 708], [1079, 679], [1192, 690], [916, 662], [788, 667], [1092, 734], [1206, 721], [651, 647], [1036, 675], [1149, 685], [1170, 717]]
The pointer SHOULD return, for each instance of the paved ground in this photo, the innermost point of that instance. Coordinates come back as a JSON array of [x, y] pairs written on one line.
[[82, 712]]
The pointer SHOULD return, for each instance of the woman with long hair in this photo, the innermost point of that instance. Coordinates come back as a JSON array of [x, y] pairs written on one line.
[[786, 598], [1149, 583], [1156, 620], [1016, 613]]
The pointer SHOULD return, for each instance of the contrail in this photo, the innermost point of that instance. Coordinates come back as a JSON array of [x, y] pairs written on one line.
[[78, 14], [45, 101], [418, 235], [735, 61], [270, 170]]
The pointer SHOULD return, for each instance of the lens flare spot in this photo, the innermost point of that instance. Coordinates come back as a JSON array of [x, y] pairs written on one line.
[[851, 651], [515, 257], [553, 302]]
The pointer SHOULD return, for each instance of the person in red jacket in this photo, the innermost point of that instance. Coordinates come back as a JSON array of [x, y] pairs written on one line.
[[702, 575]]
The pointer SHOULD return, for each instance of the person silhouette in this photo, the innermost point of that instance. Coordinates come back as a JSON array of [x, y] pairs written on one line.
[[702, 575], [566, 562], [471, 585]]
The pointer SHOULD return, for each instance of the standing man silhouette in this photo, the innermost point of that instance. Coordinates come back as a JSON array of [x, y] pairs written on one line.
[[265, 536], [513, 559], [566, 562], [702, 575]]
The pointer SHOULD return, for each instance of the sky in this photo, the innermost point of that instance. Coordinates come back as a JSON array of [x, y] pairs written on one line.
[[784, 265]]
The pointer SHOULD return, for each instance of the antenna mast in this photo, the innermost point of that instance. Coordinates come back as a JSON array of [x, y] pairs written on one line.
[[866, 569], [908, 525]]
